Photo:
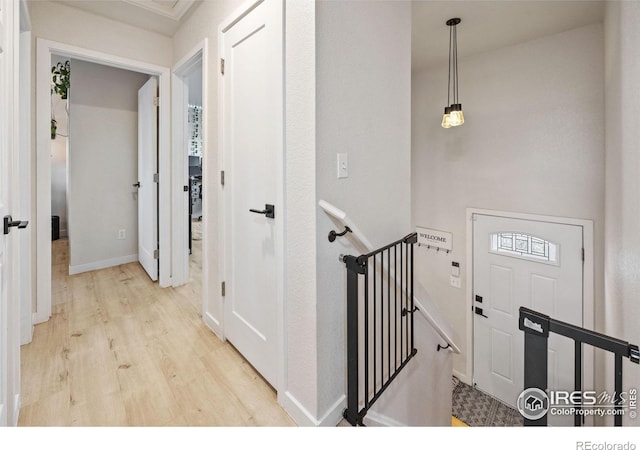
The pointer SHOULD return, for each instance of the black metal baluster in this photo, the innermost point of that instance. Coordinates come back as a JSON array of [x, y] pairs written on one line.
[[389, 312], [577, 371], [395, 309], [375, 325], [617, 420], [366, 337], [406, 318], [401, 303], [382, 318], [412, 305]]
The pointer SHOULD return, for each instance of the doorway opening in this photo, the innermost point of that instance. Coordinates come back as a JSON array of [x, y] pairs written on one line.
[[191, 216], [104, 157], [45, 51], [189, 98]]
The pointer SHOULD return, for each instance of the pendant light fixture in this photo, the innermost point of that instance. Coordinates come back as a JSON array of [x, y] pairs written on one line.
[[453, 115]]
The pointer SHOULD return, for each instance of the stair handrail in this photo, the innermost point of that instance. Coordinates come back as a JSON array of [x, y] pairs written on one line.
[[421, 298]]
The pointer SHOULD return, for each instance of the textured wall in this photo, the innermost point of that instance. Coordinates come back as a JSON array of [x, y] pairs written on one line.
[[533, 142], [363, 105], [622, 240]]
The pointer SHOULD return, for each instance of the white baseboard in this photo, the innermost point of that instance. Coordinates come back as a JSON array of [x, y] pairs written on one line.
[[213, 324], [40, 318], [16, 409], [460, 376], [302, 417], [103, 264], [374, 419], [294, 408], [334, 415]]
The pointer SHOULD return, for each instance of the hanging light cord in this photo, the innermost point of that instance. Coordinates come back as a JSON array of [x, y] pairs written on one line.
[[455, 59], [450, 63]]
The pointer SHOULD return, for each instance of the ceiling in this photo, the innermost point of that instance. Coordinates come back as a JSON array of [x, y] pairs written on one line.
[[488, 25], [161, 16]]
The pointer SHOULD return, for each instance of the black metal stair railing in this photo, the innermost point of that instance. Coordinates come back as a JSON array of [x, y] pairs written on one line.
[[536, 327], [380, 339]]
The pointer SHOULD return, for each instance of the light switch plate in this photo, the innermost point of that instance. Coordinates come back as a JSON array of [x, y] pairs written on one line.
[[456, 282], [343, 165]]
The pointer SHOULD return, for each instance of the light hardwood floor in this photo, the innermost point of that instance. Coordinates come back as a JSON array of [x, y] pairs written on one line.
[[118, 350]]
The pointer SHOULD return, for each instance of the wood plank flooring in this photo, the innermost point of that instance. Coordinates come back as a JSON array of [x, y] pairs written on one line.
[[119, 350]]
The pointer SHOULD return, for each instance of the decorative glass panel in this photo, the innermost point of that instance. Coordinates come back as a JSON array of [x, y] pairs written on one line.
[[524, 246]]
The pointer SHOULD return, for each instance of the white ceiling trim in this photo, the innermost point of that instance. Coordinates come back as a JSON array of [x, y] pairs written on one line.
[[173, 11]]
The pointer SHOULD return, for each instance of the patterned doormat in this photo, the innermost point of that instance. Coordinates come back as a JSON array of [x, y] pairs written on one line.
[[477, 409]]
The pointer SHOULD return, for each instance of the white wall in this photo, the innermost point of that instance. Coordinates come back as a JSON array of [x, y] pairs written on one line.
[[59, 157], [622, 240], [363, 107], [62, 23], [103, 161], [300, 177], [533, 142], [194, 82]]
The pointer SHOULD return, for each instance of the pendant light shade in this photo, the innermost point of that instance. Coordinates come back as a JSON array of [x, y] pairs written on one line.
[[453, 115], [446, 119]]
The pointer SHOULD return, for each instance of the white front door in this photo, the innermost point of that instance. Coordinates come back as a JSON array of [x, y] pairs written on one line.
[[253, 164], [147, 168], [523, 263]]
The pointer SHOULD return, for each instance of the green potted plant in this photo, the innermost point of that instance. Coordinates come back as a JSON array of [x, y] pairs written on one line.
[[61, 77], [60, 83]]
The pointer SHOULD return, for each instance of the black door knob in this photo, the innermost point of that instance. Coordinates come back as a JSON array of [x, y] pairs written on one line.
[[269, 211], [10, 223]]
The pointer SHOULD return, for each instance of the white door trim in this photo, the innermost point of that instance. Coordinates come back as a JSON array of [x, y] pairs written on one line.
[[180, 199], [43, 137], [26, 297], [280, 384], [588, 281]]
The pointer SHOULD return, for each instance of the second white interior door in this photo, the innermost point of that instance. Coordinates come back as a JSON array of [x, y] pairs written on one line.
[[147, 167], [253, 129]]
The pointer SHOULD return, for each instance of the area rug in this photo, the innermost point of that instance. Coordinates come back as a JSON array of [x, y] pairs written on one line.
[[477, 409]]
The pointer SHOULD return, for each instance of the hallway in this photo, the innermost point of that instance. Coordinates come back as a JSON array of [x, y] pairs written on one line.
[[118, 350]]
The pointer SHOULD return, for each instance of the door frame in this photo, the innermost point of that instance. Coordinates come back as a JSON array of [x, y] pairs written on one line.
[[180, 233], [43, 165], [588, 281], [24, 170], [223, 202]]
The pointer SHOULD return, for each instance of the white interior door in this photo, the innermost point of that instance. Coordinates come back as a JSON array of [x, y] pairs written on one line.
[[253, 128], [9, 193], [523, 263], [4, 210], [147, 168]]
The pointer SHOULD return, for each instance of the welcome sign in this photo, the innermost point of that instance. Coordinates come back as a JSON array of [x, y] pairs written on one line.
[[435, 238]]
